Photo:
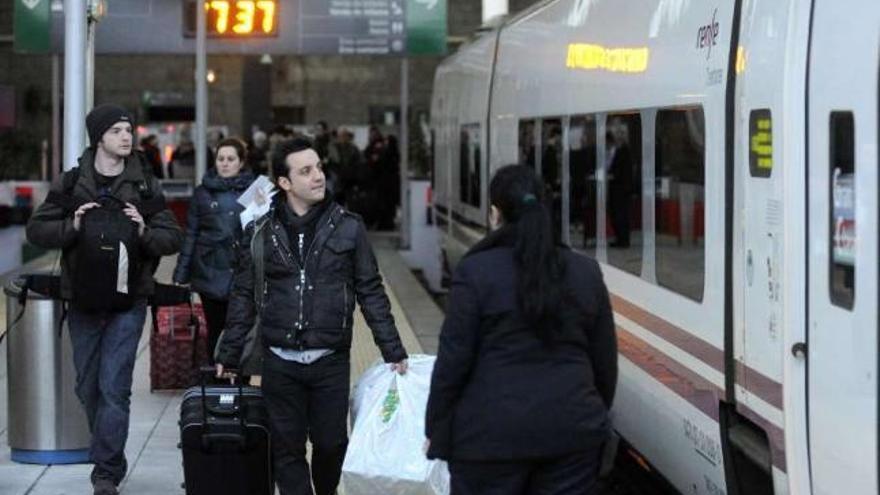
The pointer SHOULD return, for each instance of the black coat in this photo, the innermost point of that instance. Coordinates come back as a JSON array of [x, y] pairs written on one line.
[[312, 309], [213, 232], [500, 393]]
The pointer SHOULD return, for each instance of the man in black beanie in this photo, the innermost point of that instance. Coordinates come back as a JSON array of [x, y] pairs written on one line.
[[105, 340]]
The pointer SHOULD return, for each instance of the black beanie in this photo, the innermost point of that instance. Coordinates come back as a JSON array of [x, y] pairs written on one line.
[[104, 117]]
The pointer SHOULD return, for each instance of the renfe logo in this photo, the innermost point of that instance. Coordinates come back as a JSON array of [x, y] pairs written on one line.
[[707, 36]]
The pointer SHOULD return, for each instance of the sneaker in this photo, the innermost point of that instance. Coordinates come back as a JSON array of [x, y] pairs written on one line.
[[103, 486]]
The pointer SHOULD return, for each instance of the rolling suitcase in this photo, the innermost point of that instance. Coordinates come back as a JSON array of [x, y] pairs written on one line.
[[224, 437], [178, 346]]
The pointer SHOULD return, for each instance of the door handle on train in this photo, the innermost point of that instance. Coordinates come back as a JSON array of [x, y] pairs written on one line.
[[799, 350]]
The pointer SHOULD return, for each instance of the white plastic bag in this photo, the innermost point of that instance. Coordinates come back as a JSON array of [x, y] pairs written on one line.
[[385, 453]]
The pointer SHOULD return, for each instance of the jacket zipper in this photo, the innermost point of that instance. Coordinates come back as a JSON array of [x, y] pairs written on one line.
[[302, 269], [302, 281]]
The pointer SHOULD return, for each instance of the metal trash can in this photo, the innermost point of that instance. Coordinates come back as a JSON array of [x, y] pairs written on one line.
[[47, 423]]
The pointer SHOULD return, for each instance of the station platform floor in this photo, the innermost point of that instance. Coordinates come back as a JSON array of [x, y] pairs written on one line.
[[153, 457]]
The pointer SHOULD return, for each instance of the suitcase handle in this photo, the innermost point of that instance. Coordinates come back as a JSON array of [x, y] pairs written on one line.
[[206, 371], [209, 439]]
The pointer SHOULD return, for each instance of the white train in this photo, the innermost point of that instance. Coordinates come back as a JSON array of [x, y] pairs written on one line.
[[720, 160]]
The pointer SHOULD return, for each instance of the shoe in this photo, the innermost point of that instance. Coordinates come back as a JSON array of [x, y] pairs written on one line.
[[103, 486]]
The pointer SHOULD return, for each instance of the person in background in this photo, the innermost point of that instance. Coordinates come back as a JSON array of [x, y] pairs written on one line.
[[322, 139], [388, 184], [345, 160], [527, 363], [256, 156], [374, 154], [150, 147], [213, 234], [183, 160]]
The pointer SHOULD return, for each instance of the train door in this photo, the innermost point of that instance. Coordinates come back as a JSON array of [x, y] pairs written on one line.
[[756, 426], [842, 345]]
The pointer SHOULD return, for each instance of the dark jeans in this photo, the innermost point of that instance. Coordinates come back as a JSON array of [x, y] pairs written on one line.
[[307, 400], [573, 474], [104, 351], [215, 316]]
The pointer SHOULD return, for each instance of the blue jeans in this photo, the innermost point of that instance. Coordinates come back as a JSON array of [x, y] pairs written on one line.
[[104, 351]]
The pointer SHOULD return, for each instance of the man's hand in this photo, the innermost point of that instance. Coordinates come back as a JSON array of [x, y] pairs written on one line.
[[223, 374], [77, 215], [400, 367], [135, 216]]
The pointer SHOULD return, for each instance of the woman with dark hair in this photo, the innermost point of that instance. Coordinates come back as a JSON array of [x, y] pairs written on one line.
[[213, 232], [527, 363]]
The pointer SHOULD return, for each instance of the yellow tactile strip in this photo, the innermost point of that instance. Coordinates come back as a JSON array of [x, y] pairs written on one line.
[[364, 352]]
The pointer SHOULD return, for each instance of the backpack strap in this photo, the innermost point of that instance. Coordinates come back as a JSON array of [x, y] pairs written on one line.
[[65, 199], [150, 203]]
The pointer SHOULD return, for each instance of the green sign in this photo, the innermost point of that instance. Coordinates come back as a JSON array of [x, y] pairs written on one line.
[[32, 26], [426, 27]]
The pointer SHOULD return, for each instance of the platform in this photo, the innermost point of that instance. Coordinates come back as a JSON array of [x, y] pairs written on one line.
[[154, 460]]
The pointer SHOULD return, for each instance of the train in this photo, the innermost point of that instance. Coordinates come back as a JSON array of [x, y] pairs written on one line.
[[719, 159]]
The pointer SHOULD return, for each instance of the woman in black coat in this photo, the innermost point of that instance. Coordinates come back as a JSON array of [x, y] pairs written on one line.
[[207, 259], [527, 364]]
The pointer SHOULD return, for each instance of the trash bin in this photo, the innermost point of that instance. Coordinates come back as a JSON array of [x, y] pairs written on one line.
[[47, 423]]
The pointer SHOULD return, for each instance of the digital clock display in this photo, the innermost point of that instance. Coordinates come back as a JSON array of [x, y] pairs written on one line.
[[234, 18]]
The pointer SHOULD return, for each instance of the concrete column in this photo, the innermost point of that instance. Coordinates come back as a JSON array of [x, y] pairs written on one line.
[[493, 9], [404, 153], [75, 25], [200, 139]]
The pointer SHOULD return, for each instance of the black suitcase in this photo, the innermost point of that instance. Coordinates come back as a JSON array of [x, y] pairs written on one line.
[[225, 441]]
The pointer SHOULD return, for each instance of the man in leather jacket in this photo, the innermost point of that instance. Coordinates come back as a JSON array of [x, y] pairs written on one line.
[[317, 263]]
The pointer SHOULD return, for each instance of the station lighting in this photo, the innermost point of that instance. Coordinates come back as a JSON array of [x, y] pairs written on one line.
[[597, 57], [211, 76]]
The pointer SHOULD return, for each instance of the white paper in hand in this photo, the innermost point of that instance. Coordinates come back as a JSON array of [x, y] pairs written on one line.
[[256, 199]]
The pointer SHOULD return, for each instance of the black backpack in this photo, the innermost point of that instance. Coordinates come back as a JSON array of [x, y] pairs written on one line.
[[109, 259]]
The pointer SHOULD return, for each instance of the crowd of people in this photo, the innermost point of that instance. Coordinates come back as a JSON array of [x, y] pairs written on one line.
[[527, 363], [366, 181]]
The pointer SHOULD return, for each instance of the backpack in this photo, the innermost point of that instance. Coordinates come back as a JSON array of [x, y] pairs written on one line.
[[109, 258]]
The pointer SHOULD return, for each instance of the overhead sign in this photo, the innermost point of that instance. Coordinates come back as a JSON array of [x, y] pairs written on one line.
[[257, 27], [32, 22], [353, 27], [426, 27]]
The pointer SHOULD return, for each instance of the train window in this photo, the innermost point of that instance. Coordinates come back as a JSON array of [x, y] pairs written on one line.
[[551, 170], [527, 142], [760, 143], [470, 166], [623, 172], [680, 171], [582, 183], [843, 212]]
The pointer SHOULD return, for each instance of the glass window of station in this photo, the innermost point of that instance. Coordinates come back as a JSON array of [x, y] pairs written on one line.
[[623, 191], [551, 170], [679, 209], [470, 165], [582, 200], [842, 221], [527, 142]]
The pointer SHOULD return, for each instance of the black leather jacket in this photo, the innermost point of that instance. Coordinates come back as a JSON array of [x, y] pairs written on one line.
[[311, 306]]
